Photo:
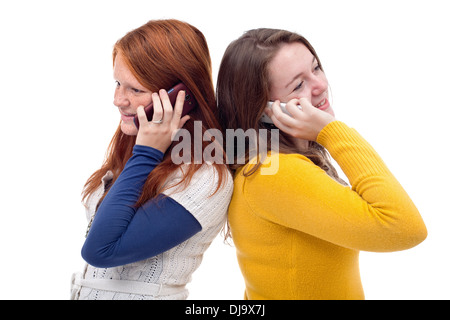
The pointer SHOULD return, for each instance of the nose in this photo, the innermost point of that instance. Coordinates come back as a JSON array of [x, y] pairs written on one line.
[[318, 85], [120, 99]]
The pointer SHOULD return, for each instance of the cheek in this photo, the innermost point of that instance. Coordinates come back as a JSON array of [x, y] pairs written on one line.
[[142, 101], [273, 93]]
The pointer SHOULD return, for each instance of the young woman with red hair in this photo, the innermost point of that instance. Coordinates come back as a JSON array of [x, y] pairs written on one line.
[[152, 219]]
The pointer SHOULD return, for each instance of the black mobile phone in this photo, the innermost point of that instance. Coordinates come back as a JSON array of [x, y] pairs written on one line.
[[189, 102]]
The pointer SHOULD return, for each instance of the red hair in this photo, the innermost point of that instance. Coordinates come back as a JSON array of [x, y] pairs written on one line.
[[160, 54]]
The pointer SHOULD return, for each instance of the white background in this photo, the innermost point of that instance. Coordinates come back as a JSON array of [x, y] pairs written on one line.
[[388, 66]]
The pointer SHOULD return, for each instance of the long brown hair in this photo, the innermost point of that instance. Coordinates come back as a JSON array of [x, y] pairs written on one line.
[[160, 54], [243, 91]]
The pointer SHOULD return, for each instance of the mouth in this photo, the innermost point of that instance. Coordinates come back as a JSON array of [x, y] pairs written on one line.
[[322, 105], [127, 116]]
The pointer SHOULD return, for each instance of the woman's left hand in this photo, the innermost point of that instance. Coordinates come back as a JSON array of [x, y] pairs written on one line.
[[166, 121]]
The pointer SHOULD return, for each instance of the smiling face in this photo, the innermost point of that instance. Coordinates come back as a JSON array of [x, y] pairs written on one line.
[[294, 72], [129, 95]]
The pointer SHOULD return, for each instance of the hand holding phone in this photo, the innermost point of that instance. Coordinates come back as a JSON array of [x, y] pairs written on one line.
[[189, 102], [306, 125], [265, 118]]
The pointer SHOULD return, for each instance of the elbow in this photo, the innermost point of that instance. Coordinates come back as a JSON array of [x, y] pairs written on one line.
[[409, 236], [397, 232], [88, 256], [419, 235], [402, 228], [414, 231], [415, 238], [94, 258]]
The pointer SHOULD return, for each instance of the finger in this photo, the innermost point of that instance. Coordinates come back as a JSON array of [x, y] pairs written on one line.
[[180, 125], [274, 114], [276, 109], [294, 108], [142, 117], [158, 113], [167, 105], [280, 125], [274, 118], [280, 117], [306, 105], [179, 103], [183, 121]]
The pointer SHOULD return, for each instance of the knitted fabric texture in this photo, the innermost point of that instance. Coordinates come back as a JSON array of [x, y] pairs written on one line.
[[175, 266], [298, 232]]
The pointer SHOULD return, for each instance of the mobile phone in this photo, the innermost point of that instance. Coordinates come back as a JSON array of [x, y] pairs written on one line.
[[189, 102], [265, 118]]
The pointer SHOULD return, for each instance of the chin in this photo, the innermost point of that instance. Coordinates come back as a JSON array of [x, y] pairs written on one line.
[[128, 128]]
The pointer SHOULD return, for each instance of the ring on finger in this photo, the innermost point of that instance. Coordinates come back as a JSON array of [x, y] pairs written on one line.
[[157, 121]]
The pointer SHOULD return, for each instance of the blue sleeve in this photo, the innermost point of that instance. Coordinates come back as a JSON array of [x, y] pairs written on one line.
[[121, 233]]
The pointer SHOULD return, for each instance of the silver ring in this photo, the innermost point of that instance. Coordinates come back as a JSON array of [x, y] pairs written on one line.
[[157, 121]]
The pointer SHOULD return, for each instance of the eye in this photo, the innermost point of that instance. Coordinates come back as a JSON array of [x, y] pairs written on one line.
[[117, 84], [317, 68], [298, 87], [136, 90]]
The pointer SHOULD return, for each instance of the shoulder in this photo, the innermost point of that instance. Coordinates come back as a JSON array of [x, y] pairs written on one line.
[[290, 176], [206, 195], [277, 167], [205, 180]]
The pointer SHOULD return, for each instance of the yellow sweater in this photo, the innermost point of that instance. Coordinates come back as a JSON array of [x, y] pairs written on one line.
[[298, 232]]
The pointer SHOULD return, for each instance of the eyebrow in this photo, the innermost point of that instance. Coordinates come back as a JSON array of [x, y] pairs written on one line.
[[127, 84], [300, 74]]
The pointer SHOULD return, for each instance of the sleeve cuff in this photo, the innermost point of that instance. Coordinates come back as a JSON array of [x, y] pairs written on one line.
[[148, 151]]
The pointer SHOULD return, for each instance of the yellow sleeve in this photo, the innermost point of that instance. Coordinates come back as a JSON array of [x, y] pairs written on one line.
[[375, 214]]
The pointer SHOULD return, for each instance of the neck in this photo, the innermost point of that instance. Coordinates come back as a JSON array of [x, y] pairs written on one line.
[[301, 144]]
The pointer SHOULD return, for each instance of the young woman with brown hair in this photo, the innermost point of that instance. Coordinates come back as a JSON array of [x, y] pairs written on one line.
[[298, 231], [151, 219]]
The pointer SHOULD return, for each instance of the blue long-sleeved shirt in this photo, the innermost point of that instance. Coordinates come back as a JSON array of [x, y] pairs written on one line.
[[122, 234]]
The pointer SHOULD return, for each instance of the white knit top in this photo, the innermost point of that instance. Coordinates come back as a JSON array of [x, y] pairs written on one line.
[[175, 266]]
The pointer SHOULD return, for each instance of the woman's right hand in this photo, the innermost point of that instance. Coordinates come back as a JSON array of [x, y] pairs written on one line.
[[305, 123]]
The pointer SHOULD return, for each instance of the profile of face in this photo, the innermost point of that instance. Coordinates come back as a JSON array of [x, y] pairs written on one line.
[[294, 72], [128, 95]]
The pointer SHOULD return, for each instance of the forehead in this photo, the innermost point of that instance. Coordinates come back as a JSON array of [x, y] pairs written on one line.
[[290, 60], [122, 72], [120, 66]]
